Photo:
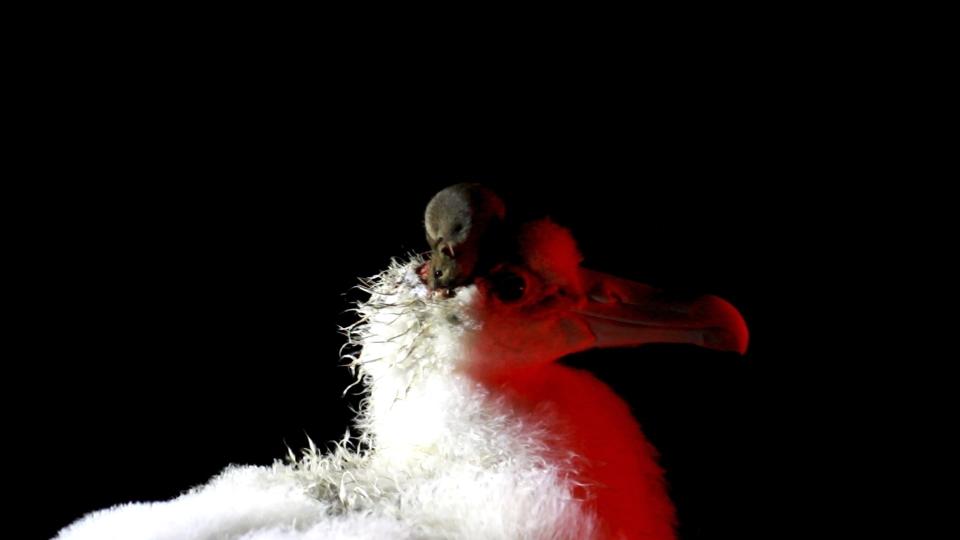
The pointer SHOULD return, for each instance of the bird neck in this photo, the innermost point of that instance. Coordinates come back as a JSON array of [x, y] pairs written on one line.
[[614, 468]]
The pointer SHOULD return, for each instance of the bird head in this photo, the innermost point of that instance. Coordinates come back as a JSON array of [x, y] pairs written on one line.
[[528, 310], [546, 306]]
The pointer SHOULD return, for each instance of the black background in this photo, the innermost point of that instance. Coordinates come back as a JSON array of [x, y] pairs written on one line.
[[189, 257]]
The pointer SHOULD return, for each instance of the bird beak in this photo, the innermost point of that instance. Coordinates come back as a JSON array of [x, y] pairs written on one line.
[[623, 313]]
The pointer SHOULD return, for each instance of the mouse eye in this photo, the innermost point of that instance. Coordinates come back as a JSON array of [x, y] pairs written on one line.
[[508, 286]]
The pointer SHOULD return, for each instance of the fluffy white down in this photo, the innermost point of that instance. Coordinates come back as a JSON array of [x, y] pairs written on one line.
[[252, 503], [438, 455]]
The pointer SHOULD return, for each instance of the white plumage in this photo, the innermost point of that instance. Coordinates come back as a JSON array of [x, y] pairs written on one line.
[[469, 430]]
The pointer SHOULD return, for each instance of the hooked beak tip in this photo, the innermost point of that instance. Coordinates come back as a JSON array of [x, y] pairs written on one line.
[[727, 330]]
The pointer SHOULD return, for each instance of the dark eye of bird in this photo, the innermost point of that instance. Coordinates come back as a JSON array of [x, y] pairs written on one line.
[[438, 273], [508, 286], [458, 227]]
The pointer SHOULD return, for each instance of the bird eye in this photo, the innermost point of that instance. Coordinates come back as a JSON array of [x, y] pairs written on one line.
[[458, 227], [508, 286], [438, 274]]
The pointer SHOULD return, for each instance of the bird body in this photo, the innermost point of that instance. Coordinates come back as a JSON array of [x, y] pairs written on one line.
[[469, 428]]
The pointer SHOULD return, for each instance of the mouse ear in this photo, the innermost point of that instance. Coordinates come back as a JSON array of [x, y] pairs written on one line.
[[550, 251]]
